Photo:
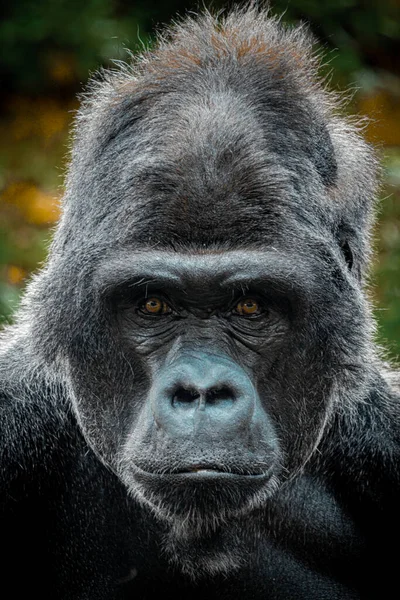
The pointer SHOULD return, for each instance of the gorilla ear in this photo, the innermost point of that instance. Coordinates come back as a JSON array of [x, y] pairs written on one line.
[[347, 253], [323, 153]]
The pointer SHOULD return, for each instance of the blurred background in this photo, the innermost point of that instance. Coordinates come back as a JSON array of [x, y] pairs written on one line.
[[49, 48]]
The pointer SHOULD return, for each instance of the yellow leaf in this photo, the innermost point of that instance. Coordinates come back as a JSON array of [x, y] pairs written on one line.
[[37, 206], [15, 275], [384, 111]]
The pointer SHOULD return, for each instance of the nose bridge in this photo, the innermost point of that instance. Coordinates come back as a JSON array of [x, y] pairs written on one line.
[[198, 369], [210, 344], [203, 371]]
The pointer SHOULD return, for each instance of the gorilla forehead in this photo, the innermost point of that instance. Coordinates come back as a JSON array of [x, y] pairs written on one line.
[[243, 160], [219, 140], [238, 189]]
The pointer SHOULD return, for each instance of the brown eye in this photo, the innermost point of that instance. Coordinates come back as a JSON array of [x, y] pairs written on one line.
[[154, 306], [248, 307]]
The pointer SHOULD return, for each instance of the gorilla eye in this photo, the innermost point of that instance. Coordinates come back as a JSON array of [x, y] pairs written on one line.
[[154, 306], [248, 307]]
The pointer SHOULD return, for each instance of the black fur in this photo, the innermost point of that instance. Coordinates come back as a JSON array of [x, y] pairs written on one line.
[[204, 452]]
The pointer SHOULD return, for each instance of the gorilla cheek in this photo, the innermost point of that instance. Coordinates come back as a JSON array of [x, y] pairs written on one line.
[[106, 409], [299, 407]]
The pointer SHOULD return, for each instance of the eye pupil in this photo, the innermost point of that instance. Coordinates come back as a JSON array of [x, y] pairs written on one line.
[[154, 306], [248, 306]]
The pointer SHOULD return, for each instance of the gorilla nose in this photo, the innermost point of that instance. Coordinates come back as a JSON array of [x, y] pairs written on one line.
[[198, 394], [203, 396]]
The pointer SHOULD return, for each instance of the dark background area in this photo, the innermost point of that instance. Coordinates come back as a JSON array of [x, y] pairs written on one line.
[[48, 50]]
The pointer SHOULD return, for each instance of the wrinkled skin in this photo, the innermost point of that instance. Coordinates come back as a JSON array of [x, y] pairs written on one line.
[[192, 401]]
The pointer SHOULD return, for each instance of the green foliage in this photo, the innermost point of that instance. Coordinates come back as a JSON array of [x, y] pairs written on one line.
[[84, 34], [387, 267]]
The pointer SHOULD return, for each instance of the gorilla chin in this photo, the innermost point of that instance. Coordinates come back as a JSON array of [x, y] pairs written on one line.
[[184, 496]]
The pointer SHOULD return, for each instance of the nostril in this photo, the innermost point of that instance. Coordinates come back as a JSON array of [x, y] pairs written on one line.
[[221, 394], [185, 396], [213, 396]]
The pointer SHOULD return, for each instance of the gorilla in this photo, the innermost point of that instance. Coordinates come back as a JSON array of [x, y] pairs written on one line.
[[192, 401]]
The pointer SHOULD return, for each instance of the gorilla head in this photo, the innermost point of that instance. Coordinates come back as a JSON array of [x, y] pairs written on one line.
[[203, 296]]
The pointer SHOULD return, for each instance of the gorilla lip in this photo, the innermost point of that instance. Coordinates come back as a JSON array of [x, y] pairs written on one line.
[[208, 471]]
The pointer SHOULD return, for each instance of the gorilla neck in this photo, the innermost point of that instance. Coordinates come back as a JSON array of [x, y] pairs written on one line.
[[298, 515]]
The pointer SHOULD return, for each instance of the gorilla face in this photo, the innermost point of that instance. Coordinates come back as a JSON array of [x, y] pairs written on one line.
[[215, 378]]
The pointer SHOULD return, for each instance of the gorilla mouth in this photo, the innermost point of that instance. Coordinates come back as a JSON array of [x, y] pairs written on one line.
[[214, 474], [202, 469], [210, 471], [188, 491]]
